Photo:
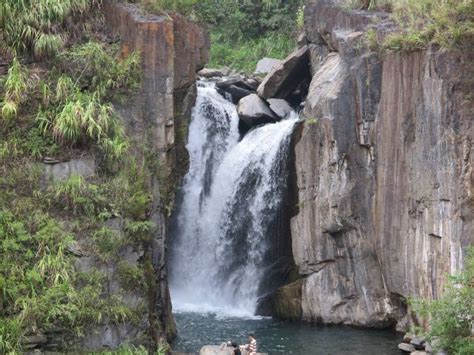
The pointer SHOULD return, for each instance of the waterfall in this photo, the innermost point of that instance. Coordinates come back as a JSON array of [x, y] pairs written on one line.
[[226, 223]]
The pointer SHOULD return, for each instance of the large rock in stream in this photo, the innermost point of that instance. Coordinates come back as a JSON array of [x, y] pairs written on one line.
[[286, 76], [253, 111]]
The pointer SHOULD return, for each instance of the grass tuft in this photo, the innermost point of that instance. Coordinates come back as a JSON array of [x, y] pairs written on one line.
[[243, 55]]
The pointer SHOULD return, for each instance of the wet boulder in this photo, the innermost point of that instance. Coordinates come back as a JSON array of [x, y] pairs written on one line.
[[210, 73], [238, 87], [215, 350], [287, 76], [266, 65], [237, 92], [418, 343], [253, 83], [280, 107], [407, 348], [253, 111]]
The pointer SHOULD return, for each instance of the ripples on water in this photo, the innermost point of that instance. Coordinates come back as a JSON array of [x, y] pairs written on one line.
[[277, 337]]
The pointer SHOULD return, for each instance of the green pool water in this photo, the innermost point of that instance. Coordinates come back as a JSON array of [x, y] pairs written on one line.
[[277, 337]]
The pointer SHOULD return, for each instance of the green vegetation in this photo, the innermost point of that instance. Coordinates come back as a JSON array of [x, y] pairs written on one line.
[[36, 27], [71, 104], [242, 31], [448, 23], [244, 54], [245, 31], [56, 101], [40, 289], [450, 318]]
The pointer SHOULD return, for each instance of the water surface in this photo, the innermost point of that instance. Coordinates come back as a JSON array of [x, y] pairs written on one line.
[[278, 337]]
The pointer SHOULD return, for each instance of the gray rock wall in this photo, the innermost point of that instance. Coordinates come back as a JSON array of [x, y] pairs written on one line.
[[384, 173], [172, 50]]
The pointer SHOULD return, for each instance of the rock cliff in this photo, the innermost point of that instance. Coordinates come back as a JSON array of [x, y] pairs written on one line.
[[383, 166], [172, 50]]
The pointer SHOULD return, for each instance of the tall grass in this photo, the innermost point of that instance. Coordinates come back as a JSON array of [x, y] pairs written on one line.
[[243, 55], [448, 23], [15, 88], [34, 26], [74, 105]]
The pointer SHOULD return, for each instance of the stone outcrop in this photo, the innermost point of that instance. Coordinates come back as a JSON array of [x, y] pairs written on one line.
[[60, 171], [172, 50], [253, 111], [384, 172], [287, 76], [280, 107], [266, 65], [220, 350]]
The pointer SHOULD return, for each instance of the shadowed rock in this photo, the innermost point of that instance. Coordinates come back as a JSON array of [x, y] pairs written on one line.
[[253, 111], [280, 107], [210, 73], [287, 76]]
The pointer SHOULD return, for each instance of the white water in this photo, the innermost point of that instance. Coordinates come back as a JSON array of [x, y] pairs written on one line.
[[225, 221]]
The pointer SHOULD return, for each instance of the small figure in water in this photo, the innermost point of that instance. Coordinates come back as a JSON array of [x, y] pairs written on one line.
[[236, 349], [233, 345], [251, 347]]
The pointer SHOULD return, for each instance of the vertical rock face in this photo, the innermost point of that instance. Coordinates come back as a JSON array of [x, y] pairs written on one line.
[[172, 49], [384, 173]]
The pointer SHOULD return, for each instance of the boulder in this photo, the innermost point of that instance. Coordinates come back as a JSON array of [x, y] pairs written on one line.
[[284, 303], [428, 347], [33, 341], [408, 348], [287, 76], [236, 81], [85, 167], [253, 111], [407, 338], [266, 65], [418, 343], [210, 73], [281, 107], [219, 350], [252, 83], [237, 86], [215, 350], [417, 352], [237, 92], [302, 40]]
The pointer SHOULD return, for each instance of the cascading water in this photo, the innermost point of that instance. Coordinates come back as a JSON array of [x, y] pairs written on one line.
[[227, 221]]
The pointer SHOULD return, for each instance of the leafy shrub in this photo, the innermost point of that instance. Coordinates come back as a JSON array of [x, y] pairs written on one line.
[[182, 6], [15, 87], [245, 54], [246, 19], [107, 242], [35, 27], [76, 115], [131, 276], [448, 23], [451, 318]]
